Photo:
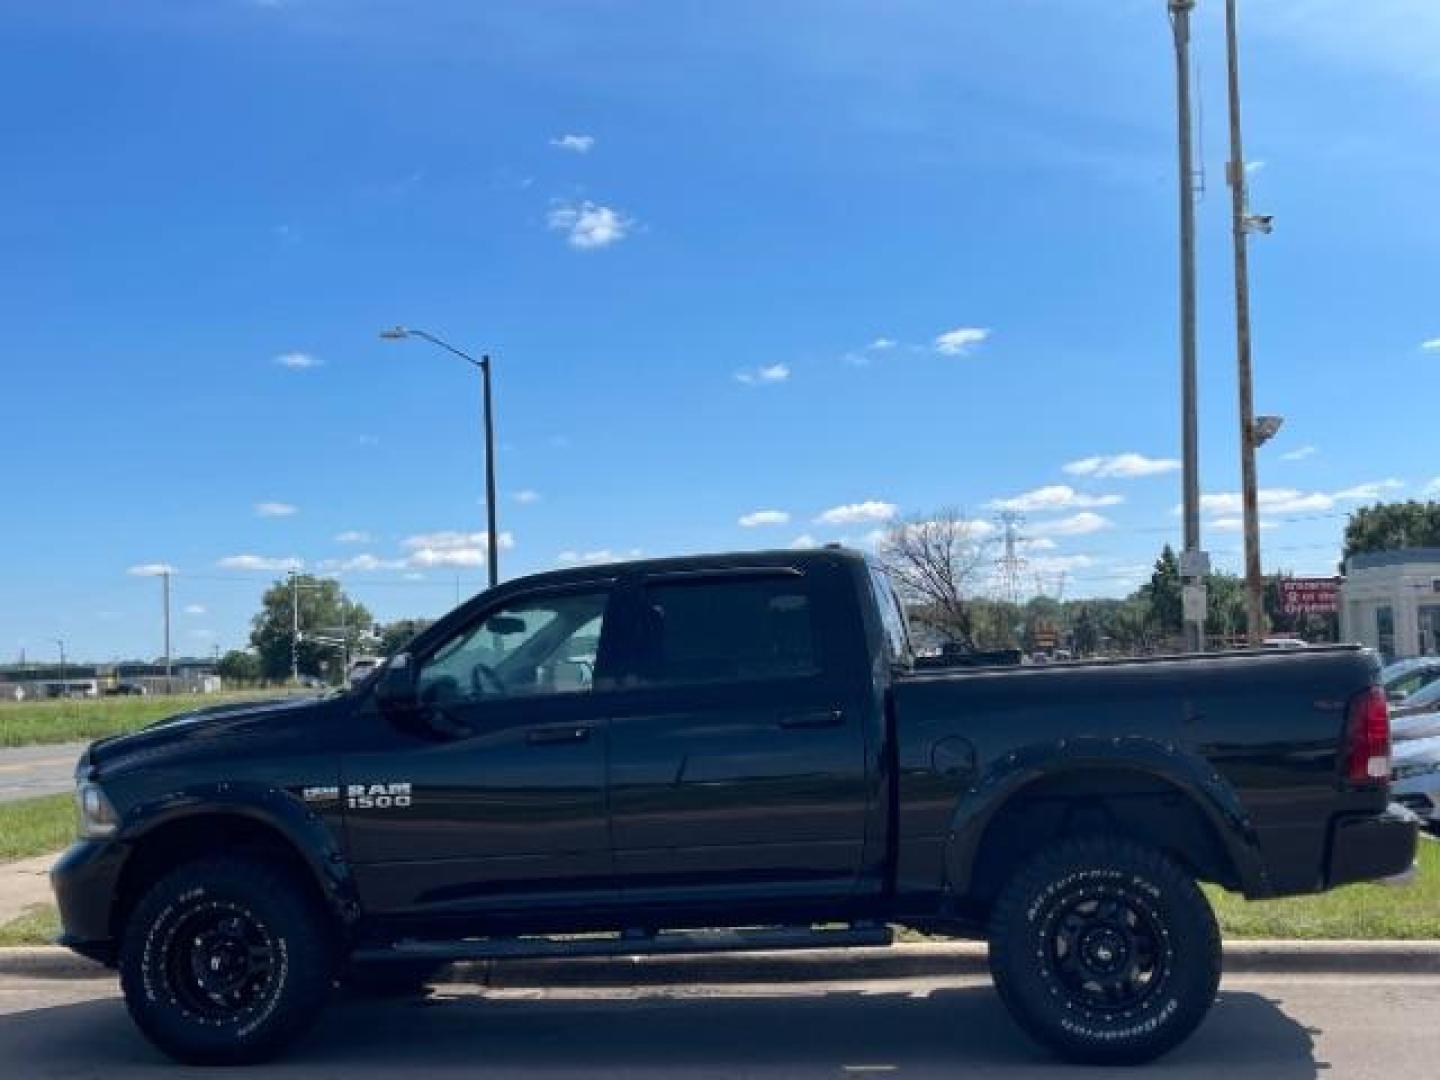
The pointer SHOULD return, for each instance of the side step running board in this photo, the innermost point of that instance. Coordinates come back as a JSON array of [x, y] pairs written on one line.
[[633, 944]]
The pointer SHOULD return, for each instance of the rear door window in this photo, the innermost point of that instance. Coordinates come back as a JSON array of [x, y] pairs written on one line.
[[727, 630]]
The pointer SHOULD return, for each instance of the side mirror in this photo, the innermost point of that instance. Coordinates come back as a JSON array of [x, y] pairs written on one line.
[[395, 688]]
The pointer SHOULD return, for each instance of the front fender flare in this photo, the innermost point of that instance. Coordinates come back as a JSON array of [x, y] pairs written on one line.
[[274, 807], [1192, 775]]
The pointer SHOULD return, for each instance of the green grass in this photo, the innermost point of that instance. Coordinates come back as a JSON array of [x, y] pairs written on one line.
[[31, 827], [38, 926], [1361, 912], [31, 723]]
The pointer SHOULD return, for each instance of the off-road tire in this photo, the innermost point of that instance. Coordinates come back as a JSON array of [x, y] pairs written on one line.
[[1081, 906], [253, 916]]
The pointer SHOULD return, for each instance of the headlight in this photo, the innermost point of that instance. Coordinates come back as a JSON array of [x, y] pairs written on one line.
[[97, 817]]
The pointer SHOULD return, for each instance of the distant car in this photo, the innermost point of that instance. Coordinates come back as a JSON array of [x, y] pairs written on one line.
[[1405, 677], [1415, 779], [1285, 643], [1424, 700], [1413, 726], [361, 668], [126, 689]]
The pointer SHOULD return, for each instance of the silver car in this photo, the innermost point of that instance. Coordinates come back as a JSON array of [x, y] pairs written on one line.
[[1415, 778]]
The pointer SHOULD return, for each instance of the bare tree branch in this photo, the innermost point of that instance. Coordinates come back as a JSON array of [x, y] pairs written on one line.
[[936, 562]]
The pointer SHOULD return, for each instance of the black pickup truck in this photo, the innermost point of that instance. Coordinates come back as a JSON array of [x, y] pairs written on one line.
[[723, 752]]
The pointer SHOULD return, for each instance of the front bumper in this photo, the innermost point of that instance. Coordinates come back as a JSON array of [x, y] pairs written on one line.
[[1372, 848], [84, 880]]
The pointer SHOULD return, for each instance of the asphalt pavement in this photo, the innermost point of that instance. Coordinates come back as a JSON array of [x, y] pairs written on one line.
[[28, 771], [1273, 1027]]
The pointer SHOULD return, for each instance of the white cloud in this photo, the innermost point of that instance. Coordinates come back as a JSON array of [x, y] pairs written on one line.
[[1433, 487], [362, 563], [194, 609], [1300, 453], [1126, 466], [1236, 524], [260, 562], [1433, 345], [576, 144], [1271, 500], [1060, 564], [354, 536], [1370, 492], [1253, 167], [1081, 524], [594, 558], [764, 517], [298, 361], [589, 225], [882, 344], [961, 341], [450, 548], [858, 513], [526, 496], [803, 541], [1054, 497], [275, 509], [1040, 543], [151, 569], [764, 376]]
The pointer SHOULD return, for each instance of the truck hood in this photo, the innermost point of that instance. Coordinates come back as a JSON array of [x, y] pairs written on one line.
[[198, 727]]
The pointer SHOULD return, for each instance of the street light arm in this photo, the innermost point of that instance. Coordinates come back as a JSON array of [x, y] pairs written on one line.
[[444, 345]]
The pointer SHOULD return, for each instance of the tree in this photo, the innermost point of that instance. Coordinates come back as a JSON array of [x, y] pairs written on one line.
[[1225, 613], [394, 636], [1086, 635], [324, 611], [239, 666], [1163, 593], [1133, 625], [935, 564], [1392, 526]]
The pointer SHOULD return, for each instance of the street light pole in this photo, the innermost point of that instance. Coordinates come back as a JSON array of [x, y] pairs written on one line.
[[1193, 562], [492, 538], [64, 690], [294, 628], [1240, 226], [165, 594]]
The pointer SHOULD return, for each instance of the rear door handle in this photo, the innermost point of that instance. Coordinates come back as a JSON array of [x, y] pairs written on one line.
[[819, 718], [549, 736]]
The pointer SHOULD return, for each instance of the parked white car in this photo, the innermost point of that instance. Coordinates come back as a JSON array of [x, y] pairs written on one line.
[[1415, 778], [1415, 726], [1406, 677]]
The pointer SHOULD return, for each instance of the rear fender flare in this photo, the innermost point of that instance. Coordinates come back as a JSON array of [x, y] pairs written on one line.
[[1007, 776]]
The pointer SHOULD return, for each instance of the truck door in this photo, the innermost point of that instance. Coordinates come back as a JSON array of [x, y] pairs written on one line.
[[737, 762], [493, 796]]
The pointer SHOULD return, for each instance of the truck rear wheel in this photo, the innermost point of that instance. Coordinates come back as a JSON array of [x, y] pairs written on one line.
[[1105, 951], [224, 960]]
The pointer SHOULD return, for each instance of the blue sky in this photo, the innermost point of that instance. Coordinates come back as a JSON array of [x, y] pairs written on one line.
[[831, 261]]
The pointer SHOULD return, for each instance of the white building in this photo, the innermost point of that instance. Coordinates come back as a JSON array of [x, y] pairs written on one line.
[[1390, 600]]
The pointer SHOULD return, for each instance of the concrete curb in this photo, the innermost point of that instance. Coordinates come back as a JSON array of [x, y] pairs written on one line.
[[826, 965]]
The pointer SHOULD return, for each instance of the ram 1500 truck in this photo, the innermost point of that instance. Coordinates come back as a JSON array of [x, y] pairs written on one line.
[[723, 752]]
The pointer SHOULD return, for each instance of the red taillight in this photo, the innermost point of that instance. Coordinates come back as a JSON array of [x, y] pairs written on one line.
[[1367, 738]]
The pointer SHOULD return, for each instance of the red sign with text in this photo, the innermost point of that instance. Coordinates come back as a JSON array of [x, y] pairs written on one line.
[[1310, 596]]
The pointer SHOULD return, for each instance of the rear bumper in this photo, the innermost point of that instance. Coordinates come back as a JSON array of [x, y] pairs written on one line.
[[84, 880], [1372, 848]]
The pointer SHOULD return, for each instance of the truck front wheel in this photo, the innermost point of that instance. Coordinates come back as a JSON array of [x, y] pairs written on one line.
[[224, 960], [1105, 950]]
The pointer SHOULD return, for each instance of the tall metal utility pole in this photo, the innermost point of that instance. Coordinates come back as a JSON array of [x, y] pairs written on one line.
[[64, 690], [165, 599], [1011, 564], [1240, 227], [294, 628], [1194, 565]]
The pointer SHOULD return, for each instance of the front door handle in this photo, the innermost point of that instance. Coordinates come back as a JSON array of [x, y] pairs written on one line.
[[819, 718], [549, 736]]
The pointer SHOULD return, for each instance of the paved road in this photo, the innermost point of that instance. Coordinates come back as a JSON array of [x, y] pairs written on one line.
[[1269, 1028], [28, 771]]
